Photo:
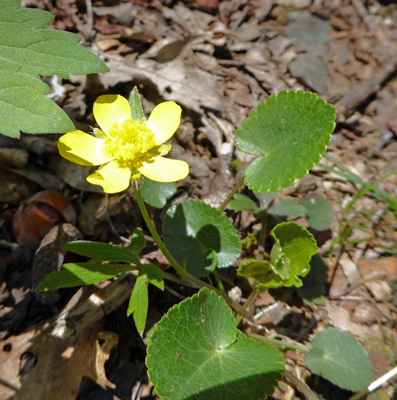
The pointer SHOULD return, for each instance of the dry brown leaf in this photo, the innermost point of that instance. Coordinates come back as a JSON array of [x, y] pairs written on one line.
[[57, 356], [187, 86]]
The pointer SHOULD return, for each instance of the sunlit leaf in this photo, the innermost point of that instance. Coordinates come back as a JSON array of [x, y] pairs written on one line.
[[27, 52], [79, 274], [196, 352], [289, 132]]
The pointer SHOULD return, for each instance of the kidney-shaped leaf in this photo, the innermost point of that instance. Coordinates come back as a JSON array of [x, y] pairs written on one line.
[[242, 202], [319, 212], [288, 208], [209, 358], [289, 132], [157, 193], [199, 236], [340, 359]]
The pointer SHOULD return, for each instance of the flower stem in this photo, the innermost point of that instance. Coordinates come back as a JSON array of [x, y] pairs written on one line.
[[231, 194], [278, 343], [179, 269], [218, 280]]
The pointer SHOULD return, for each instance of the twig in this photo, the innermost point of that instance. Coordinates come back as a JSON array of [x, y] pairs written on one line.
[[375, 384], [299, 385]]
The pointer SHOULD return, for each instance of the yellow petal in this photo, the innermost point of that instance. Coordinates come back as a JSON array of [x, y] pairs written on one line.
[[111, 177], [161, 150], [99, 133], [81, 148], [162, 169], [109, 109], [164, 121]]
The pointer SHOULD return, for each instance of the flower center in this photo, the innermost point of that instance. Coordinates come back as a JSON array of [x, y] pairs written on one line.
[[129, 140]]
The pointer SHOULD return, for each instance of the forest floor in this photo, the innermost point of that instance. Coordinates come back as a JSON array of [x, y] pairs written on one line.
[[218, 60]]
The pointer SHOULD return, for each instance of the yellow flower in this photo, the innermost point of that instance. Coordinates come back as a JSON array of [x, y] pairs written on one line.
[[126, 149]]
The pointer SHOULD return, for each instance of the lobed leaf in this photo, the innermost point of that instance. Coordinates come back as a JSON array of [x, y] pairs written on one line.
[[288, 132], [291, 253], [27, 51], [139, 299], [209, 358], [78, 274], [289, 258], [109, 252]]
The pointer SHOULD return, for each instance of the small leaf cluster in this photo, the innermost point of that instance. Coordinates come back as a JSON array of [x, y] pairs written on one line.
[[289, 258]]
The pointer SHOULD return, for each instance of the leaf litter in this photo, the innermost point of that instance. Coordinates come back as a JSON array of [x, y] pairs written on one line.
[[218, 60]]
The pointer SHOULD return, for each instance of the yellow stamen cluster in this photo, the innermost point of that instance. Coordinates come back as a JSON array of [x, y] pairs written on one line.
[[129, 140]]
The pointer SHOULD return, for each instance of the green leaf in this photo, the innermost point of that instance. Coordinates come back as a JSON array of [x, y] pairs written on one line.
[[313, 289], [340, 359], [209, 358], [24, 107], [109, 252], [139, 299], [291, 253], [139, 302], [289, 132], [27, 51], [157, 193], [101, 251], [259, 270], [77, 274], [137, 244], [153, 274], [242, 202], [136, 105], [319, 212], [289, 258], [288, 208], [203, 231]]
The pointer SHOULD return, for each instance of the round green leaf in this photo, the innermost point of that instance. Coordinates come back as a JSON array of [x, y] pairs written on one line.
[[242, 202], [289, 132], [340, 359], [288, 208], [194, 232], [157, 193], [196, 352], [319, 212]]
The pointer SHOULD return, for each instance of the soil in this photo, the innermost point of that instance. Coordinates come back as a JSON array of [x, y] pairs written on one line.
[[218, 60]]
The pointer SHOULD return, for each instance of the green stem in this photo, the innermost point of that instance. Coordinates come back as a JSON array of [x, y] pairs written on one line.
[[218, 280], [179, 269], [278, 343], [231, 194]]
